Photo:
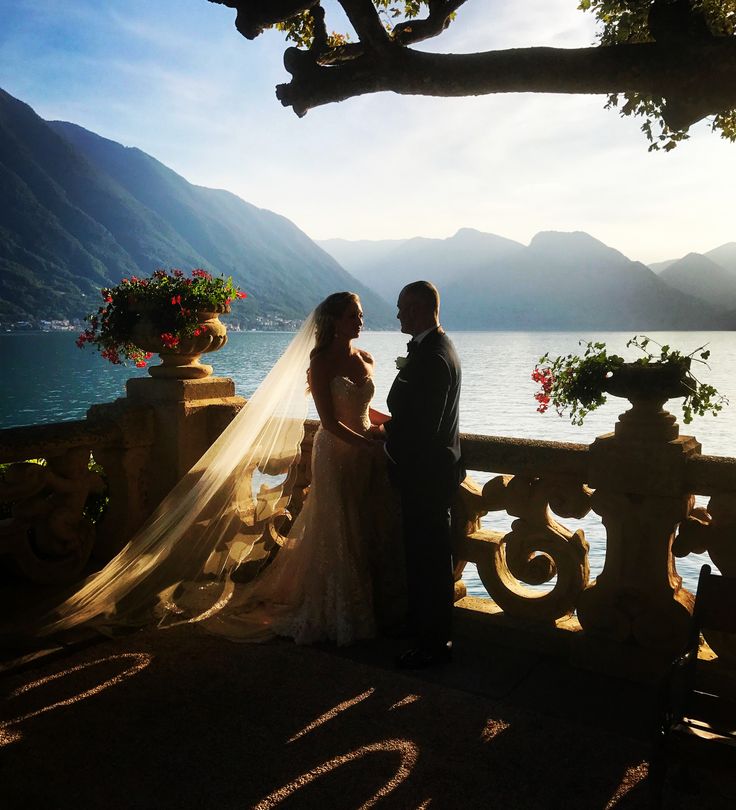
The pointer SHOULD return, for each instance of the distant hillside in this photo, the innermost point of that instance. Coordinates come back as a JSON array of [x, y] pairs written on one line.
[[725, 256], [358, 257], [386, 266], [701, 277], [78, 212], [658, 267], [559, 281]]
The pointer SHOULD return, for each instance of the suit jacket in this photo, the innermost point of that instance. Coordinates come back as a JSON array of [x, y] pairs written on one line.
[[422, 436]]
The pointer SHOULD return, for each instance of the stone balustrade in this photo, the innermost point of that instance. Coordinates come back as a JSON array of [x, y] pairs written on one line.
[[644, 495], [126, 455], [640, 480]]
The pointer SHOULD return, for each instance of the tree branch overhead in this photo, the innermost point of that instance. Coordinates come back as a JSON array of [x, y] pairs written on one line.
[[675, 61]]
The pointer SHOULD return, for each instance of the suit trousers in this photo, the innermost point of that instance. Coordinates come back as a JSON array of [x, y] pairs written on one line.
[[429, 572]]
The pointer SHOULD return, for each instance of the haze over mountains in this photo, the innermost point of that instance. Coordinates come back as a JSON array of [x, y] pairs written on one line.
[[558, 281], [79, 212]]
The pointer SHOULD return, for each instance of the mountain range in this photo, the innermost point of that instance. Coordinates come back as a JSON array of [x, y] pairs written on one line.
[[79, 212], [558, 281]]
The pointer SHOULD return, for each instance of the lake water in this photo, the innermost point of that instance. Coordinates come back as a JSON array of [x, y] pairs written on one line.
[[47, 379]]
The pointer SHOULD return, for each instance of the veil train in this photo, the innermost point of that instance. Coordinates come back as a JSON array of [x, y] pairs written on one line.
[[177, 567]]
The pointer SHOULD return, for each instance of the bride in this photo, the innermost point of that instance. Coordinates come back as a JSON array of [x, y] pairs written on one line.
[[324, 583], [337, 574]]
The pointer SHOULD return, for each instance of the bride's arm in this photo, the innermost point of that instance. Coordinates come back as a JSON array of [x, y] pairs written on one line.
[[320, 374]]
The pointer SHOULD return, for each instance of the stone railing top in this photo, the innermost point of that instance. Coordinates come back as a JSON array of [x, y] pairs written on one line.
[[704, 475], [504, 454], [41, 441]]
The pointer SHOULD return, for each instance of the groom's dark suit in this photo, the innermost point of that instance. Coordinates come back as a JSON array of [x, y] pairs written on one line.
[[423, 446]]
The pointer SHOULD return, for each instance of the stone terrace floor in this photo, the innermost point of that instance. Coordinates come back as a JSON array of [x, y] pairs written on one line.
[[178, 719]]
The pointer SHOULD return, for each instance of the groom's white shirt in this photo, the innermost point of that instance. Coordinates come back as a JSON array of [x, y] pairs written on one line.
[[420, 337]]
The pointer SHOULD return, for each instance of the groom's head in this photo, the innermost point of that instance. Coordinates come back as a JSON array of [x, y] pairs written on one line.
[[418, 307]]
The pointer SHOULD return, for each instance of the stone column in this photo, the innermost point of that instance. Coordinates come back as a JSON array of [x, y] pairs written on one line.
[[125, 462], [188, 416], [638, 473]]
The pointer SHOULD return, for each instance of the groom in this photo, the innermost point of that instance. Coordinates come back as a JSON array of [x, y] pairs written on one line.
[[423, 449]]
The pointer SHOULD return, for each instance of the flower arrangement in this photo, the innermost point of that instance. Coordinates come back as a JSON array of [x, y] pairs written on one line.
[[170, 299], [578, 383]]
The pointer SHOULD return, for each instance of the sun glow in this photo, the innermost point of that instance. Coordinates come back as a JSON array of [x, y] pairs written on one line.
[[409, 754], [139, 661]]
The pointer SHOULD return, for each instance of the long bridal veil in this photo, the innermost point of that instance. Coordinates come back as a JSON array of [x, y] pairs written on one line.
[[224, 512]]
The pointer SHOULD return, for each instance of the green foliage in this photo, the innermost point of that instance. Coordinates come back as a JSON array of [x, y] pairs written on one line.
[[701, 398], [299, 29], [626, 22], [97, 502], [6, 507], [95, 506], [576, 384], [170, 300]]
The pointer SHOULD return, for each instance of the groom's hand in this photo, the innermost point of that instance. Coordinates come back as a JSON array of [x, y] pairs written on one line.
[[377, 432]]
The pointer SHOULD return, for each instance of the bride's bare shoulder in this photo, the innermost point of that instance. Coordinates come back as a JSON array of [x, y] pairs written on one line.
[[365, 356]]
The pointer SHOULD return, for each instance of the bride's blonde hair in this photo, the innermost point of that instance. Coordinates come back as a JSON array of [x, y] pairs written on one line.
[[326, 315]]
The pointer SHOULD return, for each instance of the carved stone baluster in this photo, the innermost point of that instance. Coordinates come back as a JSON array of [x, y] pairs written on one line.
[[467, 510], [537, 548], [126, 463], [713, 529], [48, 536], [638, 473]]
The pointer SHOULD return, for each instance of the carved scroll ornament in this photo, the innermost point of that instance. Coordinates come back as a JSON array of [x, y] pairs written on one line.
[[536, 550], [712, 529], [48, 536]]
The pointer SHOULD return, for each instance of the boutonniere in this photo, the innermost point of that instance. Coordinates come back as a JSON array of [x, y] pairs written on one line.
[[401, 362]]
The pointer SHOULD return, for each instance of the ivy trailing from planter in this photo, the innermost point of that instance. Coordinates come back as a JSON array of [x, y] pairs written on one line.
[[577, 384]]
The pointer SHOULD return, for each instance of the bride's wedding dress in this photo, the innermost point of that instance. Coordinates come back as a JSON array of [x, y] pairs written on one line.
[[338, 575]]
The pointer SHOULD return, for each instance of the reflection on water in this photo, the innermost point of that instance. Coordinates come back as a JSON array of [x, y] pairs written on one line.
[[47, 379]]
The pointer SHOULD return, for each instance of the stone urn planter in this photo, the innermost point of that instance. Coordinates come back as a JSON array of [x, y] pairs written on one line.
[[181, 362], [647, 387]]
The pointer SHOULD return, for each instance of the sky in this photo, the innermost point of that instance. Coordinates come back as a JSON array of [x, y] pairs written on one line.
[[175, 79]]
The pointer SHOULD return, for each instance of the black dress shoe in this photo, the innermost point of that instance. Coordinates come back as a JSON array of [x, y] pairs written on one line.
[[421, 657]]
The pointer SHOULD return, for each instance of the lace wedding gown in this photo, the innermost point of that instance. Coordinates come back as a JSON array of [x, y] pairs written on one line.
[[339, 575]]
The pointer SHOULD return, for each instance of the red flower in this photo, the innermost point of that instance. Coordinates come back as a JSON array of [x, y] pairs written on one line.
[[241, 294], [198, 272], [169, 340], [141, 364]]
